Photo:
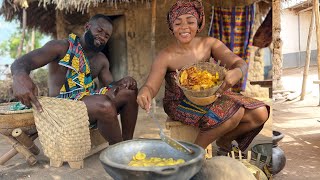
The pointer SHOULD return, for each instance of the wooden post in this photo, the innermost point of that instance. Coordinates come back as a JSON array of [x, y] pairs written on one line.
[[153, 40], [316, 12], [307, 63], [277, 45]]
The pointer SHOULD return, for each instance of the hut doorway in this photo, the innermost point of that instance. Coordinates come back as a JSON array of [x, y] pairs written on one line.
[[116, 48]]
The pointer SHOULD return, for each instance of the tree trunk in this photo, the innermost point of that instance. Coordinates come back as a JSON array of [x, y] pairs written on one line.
[[33, 38], [277, 45], [24, 26]]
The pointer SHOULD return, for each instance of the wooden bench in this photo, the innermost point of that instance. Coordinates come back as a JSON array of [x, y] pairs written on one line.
[[182, 132]]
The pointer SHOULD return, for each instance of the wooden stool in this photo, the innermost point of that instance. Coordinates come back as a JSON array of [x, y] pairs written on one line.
[[182, 132]]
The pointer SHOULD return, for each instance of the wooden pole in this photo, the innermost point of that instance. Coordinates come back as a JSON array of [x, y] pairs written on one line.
[[307, 63], [316, 8], [153, 40], [277, 45]]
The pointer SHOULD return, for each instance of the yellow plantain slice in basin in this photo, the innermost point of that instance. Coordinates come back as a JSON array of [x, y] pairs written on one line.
[[141, 160]]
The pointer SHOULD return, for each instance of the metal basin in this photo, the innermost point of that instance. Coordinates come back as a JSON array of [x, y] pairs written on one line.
[[116, 157]]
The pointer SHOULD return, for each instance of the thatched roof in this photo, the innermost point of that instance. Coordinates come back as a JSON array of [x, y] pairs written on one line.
[[42, 13]]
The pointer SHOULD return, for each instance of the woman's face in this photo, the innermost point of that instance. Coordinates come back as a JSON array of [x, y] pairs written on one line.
[[185, 28]]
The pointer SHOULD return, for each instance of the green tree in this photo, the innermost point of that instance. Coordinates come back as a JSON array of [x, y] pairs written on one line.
[[10, 47]]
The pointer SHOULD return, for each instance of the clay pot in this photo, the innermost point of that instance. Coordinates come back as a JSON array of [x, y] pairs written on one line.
[[278, 156]]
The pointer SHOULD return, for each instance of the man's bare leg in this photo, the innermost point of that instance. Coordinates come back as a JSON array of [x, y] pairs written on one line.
[[251, 120], [204, 138], [127, 106], [103, 111]]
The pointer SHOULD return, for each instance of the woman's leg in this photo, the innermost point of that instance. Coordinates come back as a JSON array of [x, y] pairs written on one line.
[[204, 138], [252, 119]]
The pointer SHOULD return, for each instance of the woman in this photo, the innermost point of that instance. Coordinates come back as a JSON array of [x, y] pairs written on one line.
[[232, 116]]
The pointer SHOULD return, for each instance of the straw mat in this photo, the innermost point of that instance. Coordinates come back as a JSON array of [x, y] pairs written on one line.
[[63, 129]]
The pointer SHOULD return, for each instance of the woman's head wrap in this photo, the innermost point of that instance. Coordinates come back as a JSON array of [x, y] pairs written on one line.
[[182, 7]]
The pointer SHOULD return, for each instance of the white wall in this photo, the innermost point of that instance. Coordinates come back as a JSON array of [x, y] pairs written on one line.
[[290, 31], [305, 19]]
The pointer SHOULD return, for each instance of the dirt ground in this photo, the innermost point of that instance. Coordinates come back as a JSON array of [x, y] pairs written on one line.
[[300, 123]]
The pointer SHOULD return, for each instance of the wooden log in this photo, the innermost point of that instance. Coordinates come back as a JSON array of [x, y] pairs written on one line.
[[31, 159], [25, 140], [307, 64]]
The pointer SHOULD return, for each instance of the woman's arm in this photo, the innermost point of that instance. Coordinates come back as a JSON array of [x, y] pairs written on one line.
[[157, 73], [236, 65]]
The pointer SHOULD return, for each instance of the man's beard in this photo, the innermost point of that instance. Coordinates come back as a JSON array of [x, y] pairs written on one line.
[[89, 39]]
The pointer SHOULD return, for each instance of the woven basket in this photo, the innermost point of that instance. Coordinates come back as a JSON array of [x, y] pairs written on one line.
[[204, 96], [63, 129]]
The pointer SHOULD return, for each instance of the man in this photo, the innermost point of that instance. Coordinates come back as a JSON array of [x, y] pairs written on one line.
[[73, 64]]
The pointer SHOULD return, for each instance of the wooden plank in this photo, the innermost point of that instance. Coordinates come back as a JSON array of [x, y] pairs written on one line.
[[316, 82]]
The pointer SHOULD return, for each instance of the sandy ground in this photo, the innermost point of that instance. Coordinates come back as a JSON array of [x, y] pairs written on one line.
[[300, 123]]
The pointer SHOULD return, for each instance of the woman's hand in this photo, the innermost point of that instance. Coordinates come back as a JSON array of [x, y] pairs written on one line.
[[144, 98], [232, 77]]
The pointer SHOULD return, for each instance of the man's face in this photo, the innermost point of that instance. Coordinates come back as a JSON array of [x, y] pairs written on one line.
[[97, 34]]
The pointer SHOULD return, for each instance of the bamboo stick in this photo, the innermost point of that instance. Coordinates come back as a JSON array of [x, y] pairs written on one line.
[[316, 5], [307, 63]]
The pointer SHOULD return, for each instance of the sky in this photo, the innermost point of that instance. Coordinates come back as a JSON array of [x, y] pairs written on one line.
[[6, 29]]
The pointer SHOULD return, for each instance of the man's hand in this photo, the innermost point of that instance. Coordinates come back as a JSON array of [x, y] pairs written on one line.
[[232, 77], [25, 91], [127, 82]]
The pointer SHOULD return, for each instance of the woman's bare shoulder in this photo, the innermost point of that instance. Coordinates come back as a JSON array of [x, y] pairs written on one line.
[[166, 53]]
